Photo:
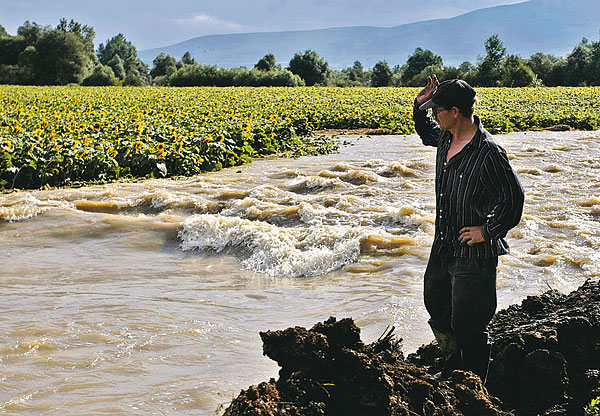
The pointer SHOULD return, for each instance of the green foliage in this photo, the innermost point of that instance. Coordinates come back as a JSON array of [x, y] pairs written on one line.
[[135, 71], [416, 63], [84, 32], [102, 76], [517, 74], [421, 78], [354, 76], [381, 75], [489, 70], [60, 58], [163, 65], [593, 409], [266, 63], [578, 62], [357, 72], [3, 32], [543, 66], [117, 45], [187, 59], [117, 66], [310, 67], [31, 32], [208, 75], [10, 74], [10, 49], [134, 79]]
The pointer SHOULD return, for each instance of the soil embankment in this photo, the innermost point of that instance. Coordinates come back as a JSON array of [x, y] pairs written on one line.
[[545, 361]]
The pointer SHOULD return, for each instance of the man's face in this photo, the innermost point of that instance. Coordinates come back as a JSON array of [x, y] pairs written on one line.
[[442, 116]]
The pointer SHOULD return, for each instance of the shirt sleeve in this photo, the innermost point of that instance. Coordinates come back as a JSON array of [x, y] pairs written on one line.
[[426, 127], [502, 182]]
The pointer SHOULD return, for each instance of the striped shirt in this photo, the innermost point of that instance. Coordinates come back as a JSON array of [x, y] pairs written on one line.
[[477, 186]]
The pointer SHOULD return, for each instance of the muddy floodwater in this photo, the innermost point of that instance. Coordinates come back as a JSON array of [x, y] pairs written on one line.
[[147, 298]]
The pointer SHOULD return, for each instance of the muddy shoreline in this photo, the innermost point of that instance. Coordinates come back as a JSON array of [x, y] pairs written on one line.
[[545, 361]]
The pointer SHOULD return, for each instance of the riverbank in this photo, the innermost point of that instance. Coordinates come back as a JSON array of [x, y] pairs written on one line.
[[545, 358]]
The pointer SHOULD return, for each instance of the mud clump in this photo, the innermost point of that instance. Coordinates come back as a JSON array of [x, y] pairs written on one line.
[[545, 361], [327, 370]]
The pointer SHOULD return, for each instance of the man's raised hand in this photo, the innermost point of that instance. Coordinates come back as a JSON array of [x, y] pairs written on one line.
[[427, 92]]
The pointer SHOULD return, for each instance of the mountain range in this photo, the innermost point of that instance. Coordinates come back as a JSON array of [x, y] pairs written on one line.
[[548, 26]]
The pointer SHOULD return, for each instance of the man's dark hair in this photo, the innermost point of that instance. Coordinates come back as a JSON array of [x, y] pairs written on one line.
[[467, 110]]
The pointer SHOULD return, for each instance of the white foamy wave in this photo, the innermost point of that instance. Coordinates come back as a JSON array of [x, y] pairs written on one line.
[[412, 216], [273, 250], [164, 199], [27, 207], [395, 169], [313, 184], [20, 213]]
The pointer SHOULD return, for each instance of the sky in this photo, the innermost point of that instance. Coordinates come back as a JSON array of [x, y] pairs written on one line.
[[151, 24]]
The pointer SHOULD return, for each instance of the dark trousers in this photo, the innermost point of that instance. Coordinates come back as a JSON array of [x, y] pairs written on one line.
[[460, 296]]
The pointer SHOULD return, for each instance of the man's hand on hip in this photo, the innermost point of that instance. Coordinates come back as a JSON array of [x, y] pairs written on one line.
[[471, 235]]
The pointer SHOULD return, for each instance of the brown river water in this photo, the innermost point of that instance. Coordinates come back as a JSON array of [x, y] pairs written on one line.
[[147, 298]]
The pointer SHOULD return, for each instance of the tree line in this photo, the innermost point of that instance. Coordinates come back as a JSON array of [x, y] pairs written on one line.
[[61, 55]]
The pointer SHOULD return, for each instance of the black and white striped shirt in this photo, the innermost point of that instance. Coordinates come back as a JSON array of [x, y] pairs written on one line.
[[477, 186]]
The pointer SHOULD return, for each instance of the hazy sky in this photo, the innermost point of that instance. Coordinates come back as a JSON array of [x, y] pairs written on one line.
[[150, 24]]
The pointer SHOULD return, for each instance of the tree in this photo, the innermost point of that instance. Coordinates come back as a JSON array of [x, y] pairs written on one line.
[[117, 66], [517, 74], [31, 32], [10, 49], [310, 67], [117, 45], [578, 62], [489, 70], [542, 66], [3, 32], [266, 63], [135, 69], [60, 58], [102, 75], [417, 62], [163, 65], [357, 72], [84, 32], [594, 65], [381, 75], [187, 59]]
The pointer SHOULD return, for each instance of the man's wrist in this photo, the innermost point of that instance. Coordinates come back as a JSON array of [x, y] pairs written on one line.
[[484, 233], [417, 105]]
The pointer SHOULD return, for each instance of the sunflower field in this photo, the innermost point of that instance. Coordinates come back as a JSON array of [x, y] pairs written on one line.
[[72, 135]]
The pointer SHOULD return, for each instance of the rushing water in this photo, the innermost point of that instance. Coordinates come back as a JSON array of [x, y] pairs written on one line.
[[147, 298]]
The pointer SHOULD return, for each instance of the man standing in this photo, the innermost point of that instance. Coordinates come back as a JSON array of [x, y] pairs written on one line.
[[478, 199]]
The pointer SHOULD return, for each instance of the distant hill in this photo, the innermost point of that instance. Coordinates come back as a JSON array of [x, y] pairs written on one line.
[[549, 26]]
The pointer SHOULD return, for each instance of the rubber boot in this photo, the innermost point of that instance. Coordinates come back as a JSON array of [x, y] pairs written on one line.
[[452, 355], [477, 360]]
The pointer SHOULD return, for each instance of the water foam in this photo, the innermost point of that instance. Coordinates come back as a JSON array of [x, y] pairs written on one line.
[[272, 250], [27, 206]]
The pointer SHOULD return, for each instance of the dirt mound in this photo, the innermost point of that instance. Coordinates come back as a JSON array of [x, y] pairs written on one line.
[[327, 370], [546, 359], [545, 353]]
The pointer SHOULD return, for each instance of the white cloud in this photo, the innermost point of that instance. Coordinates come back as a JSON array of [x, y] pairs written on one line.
[[206, 20]]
